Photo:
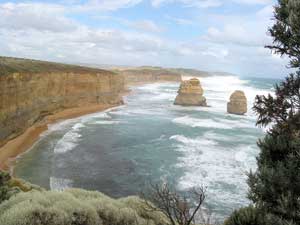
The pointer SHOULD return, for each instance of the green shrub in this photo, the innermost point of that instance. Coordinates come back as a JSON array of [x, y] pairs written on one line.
[[76, 207], [245, 216], [6, 191]]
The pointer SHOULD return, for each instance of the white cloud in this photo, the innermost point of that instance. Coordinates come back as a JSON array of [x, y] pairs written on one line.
[[190, 3], [104, 5], [180, 21], [44, 31], [254, 2], [209, 3], [48, 17], [145, 25]]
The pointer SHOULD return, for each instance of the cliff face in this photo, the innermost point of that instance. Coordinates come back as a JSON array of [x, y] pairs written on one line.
[[135, 76], [27, 97], [190, 93], [238, 103]]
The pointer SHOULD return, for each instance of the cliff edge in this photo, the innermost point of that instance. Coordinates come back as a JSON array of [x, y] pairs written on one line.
[[30, 90]]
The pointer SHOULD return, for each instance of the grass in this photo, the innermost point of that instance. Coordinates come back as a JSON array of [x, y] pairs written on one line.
[[10, 65], [76, 207]]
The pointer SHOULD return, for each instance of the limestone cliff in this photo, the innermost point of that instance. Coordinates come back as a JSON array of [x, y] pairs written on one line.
[[190, 94], [238, 103], [149, 75], [31, 90]]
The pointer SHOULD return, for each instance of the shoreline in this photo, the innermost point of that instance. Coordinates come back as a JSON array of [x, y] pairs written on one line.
[[15, 147], [22, 143]]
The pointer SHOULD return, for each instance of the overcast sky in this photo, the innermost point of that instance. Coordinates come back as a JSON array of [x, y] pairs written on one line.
[[214, 35]]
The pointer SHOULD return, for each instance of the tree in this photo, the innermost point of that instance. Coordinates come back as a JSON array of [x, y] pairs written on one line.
[[275, 185], [179, 208], [285, 31]]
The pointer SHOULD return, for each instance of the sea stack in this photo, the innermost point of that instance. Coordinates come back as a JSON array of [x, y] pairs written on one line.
[[237, 104], [190, 93]]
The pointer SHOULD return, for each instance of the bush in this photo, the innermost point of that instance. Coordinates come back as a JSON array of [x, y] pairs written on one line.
[[76, 207], [6, 191], [245, 216]]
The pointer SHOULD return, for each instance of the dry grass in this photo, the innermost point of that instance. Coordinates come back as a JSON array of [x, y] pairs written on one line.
[[10, 65]]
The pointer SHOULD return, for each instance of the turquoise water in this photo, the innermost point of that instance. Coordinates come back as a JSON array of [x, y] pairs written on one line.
[[150, 139]]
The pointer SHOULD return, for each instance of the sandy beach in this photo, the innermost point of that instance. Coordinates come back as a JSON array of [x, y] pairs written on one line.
[[22, 143]]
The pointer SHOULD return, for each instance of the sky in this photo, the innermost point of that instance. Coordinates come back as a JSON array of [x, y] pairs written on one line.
[[212, 35]]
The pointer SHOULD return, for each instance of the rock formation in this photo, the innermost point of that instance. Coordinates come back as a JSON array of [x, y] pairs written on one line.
[[190, 94], [237, 104], [149, 75], [31, 90]]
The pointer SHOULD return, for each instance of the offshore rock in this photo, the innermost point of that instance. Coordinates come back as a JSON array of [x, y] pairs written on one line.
[[190, 93], [237, 104]]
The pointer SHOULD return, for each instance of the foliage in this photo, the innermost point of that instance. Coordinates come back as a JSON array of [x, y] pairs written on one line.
[[245, 216], [275, 186], [10, 65], [10, 186], [6, 191], [285, 31], [178, 208], [283, 109], [76, 207]]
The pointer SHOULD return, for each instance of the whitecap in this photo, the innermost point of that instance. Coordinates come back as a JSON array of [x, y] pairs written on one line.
[[60, 184], [192, 141], [68, 142], [216, 123], [222, 170], [194, 122], [106, 122]]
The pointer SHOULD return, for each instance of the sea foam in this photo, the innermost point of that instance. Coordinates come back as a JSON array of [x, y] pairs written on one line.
[[60, 184]]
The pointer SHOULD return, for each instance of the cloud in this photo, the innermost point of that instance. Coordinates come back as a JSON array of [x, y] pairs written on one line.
[[47, 17], [190, 3], [103, 5], [180, 21], [145, 25], [209, 3], [233, 43]]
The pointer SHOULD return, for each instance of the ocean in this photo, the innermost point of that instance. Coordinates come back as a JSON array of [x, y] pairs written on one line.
[[120, 151]]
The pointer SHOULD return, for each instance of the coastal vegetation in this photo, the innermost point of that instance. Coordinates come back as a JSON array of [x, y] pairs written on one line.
[[10, 65], [275, 186]]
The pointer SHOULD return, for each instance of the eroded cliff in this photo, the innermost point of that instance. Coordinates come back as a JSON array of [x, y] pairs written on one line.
[[31, 90], [149, 75]]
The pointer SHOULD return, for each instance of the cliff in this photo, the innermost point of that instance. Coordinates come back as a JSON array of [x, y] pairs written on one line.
[[149, 75], [31, 90]]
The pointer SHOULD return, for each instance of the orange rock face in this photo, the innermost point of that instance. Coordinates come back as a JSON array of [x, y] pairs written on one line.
[[26, 98], [237, 104], [190, 93]]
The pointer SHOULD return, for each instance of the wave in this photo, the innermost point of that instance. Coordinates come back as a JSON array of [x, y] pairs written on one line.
[[215, 123], [221, 169], [70, 140], [192, 142], [106, 122], [60, 184]]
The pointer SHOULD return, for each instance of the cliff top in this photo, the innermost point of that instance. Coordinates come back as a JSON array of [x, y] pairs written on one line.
[[10, 65], [149, 70]]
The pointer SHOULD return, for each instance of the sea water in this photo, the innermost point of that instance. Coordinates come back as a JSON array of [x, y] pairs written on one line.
[[121, 150]]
